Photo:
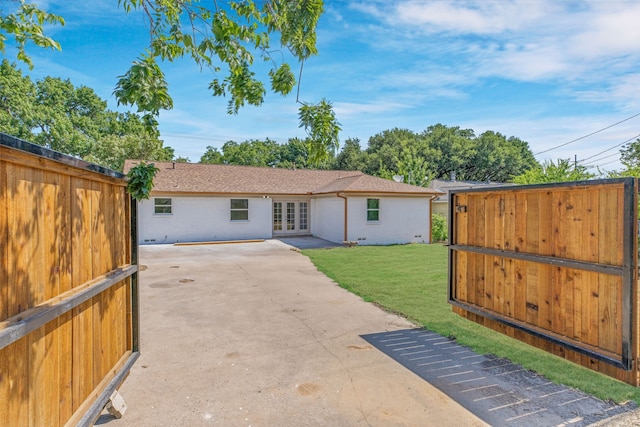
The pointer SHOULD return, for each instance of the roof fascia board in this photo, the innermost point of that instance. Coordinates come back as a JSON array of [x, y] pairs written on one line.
[[225, 194], [378, 193]]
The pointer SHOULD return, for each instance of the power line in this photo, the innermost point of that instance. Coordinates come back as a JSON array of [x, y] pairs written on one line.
[[613, 161], [593, 162], [611, 148], [586, 136]]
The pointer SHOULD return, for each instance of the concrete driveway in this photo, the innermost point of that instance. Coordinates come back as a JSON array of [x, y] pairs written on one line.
[[252, 334]]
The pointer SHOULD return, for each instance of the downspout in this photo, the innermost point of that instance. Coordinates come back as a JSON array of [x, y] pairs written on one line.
[[346, 216]]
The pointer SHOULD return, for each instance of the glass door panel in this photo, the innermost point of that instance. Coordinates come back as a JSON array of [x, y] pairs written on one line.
[[291, 216], [277, 216], [304, 216]]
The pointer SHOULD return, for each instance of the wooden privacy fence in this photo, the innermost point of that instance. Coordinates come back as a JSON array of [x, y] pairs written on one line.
[[554, 266], [68, 291]]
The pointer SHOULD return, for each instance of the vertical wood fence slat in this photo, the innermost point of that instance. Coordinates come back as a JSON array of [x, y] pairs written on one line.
[[4, 250], [63, 223], [551, 267]]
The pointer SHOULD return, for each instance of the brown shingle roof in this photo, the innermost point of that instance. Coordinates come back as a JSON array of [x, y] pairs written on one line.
[[216, 179]]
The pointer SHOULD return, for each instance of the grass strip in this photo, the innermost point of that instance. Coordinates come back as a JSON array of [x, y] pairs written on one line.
[[411, 280]]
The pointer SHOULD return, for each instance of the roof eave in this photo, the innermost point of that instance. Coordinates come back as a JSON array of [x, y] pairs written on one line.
[[394, 193]]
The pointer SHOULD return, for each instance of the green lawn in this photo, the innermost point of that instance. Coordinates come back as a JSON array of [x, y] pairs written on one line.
[[412, 280]]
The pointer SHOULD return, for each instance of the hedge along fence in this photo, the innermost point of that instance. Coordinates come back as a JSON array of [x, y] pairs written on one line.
[[68, 286], [554, 266]]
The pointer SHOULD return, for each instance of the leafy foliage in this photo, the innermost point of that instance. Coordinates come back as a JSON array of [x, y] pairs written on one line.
[[73, 120], [322, 127], [417, 157], [265, 153], [225, 39], [630, 154], [630, 159], [351, 156], [439, 231], [144, 85], [562, 171], [212, 156], [252, 153], [282, 79], [438, 152], [26, 24], [140, 180]]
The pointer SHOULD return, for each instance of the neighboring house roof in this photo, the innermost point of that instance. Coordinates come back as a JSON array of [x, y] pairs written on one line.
[[224, 179], [446, 186]]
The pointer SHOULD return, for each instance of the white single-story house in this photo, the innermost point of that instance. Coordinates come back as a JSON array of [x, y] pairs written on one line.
[[199, 202]]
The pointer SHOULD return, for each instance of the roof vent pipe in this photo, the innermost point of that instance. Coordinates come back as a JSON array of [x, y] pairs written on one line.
[[174, 165], [453, 176]]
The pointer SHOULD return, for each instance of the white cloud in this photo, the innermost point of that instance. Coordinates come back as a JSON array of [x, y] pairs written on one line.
[[527, 63], [608, 31], [348, 109], [623, 90], [575, 44], [477, 17]]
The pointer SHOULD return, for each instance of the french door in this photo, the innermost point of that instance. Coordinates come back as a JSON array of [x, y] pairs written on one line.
[[290, 217]]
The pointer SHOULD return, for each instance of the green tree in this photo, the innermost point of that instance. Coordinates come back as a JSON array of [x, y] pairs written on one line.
[[126, 137], [413, 168], [440, 151], [17, 98], [630, 159], [265, 153], [68, 118], [295, 154], [351, 156], [212, 156], [561, 171], [451, 150], [225, 39], [251, 153], [53, 113], [385, 150], [497, 158]]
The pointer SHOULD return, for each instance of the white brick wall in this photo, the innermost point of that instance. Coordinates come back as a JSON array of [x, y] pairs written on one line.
[[198, 219]]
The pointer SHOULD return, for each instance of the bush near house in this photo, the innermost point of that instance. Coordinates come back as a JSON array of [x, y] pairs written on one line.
[[438, 228]]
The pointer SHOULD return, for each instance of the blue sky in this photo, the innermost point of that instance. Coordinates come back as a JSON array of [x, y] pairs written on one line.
[[545, 71]]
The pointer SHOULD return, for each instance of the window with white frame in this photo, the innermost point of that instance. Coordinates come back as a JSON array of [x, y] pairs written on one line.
[[162, 206], [373, 210], [239, 209]]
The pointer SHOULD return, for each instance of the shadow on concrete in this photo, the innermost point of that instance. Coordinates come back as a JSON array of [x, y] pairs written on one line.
[[497, 391], [308, 242]]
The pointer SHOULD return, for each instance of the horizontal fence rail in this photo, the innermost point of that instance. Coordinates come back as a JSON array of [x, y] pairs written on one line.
[[554, 262], [68, 286]]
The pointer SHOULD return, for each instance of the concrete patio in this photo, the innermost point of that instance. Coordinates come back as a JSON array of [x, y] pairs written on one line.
[[253, 335]]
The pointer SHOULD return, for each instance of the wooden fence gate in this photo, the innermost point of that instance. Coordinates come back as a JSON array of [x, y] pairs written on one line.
[[554, 266], [68, 286]]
